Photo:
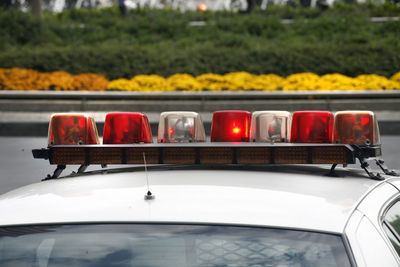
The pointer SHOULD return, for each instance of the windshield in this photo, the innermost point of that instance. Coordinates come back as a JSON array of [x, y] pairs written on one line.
[[167, 245]]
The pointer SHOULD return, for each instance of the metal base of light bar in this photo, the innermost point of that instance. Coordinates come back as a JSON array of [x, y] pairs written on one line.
[[384, 168], [199, 153], [214, 153], [364, 152], [56, 174]]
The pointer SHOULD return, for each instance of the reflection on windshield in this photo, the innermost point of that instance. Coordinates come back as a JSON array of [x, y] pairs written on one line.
[[167, 245]]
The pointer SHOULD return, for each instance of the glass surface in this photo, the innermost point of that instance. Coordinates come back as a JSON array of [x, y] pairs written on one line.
[[311, 127], [271, 128], [167, 245], [72, 129], [126, 128], [230, 126], [354, 128], [393, 217], [395, 242], [181, 128], [392, 225]]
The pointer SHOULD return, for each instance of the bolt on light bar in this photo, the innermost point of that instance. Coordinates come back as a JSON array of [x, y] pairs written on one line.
[[180, 127], [72, 129], [311, 127], [230, 126], [270, 126], [126, 128], [356, 127]]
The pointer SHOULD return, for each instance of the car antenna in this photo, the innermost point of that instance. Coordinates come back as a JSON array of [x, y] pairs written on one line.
[[149, 195]]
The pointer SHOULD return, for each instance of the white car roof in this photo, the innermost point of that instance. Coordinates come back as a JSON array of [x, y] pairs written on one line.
[[300, 197]]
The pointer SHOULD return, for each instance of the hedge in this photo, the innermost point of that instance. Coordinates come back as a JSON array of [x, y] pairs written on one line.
[[127, 61], [98, 27], [338, 40]]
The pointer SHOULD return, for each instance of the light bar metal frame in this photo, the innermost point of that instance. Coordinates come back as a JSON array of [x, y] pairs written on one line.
[[199, 153], [213, 154]]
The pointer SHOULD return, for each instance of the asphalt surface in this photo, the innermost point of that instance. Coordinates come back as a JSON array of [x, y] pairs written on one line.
[[18, 168]]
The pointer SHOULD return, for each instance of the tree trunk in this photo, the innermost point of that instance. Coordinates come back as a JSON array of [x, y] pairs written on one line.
[[36, 7], [250, 5]]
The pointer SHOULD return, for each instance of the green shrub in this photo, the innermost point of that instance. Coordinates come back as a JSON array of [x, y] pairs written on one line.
[[341, 24], [341, 39], [115, 61]]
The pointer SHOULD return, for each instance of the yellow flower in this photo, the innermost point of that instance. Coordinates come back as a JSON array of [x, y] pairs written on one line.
[[123, 85], [212, 82], [396, 78], [27, 79], [58, 80], [267, 82], [184, 82], [302, 81], [19, 79], [338, 81], [239, 80], [376, 82], [90, 82], [151, 83]]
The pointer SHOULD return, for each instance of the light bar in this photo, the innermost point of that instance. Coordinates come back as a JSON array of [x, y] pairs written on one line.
[[230, 126], [311, 127], [180, 127], [270, 126], [201, 153], [72, 129], [126, 128], [356, 127]]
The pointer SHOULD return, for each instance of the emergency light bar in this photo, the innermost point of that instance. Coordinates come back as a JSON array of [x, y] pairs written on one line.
[[200, 153], [237, 137]]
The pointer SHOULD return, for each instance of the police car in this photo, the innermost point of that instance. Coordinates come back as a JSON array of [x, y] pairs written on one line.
[[267, 189]]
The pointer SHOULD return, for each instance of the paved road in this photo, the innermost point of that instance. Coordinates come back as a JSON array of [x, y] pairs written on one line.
[[18, 167]]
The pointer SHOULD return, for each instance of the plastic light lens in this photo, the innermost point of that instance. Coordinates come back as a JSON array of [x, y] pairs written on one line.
[[311, 127], [72, 129], [230, 126], [180, 127], [126, 128], [356, 127], [270, 126]]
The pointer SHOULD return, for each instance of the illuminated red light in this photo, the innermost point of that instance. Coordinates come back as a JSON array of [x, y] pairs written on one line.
[[126, 128], [230, 126], [356, 127], [312, 127], [72, 129]]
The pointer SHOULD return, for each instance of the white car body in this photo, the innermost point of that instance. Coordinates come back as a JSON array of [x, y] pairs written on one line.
[[290, 197]]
